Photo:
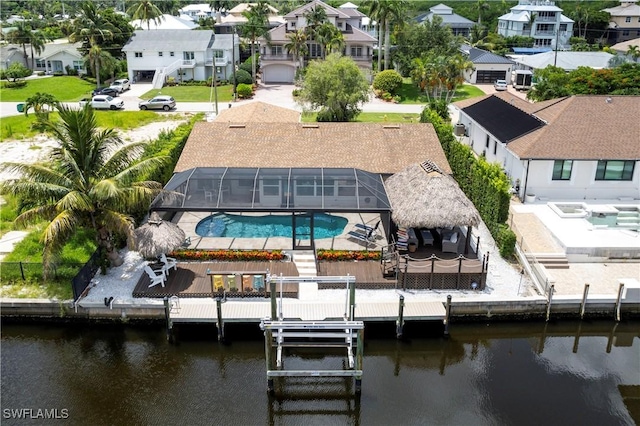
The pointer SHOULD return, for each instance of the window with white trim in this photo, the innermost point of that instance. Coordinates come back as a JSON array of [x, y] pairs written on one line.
[[615, 170], [138, 54]]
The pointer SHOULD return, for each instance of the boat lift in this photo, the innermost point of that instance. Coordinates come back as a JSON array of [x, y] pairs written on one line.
[[280, 333]]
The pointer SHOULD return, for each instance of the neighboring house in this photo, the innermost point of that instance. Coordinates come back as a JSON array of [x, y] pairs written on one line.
[[540, 19], [623, 48], [197, 11], [572, 148], [459, 24], [55, 57], [568, 61], [258, 112], [182, 54], [625, 21], [278, 65], [487, 67], [366, 24], [227, 22], [167, 22]]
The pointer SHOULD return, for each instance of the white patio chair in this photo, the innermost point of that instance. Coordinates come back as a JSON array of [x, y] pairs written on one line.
[[156, 277], [168, 263]]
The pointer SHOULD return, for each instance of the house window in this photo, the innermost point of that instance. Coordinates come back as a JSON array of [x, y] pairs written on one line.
[[171, 54], [159, 53], [495, 147], [627, 19], [340, 25], [543, 42], [218, 54], [138, 54], [188, 56], [315, 51], [563, 27], [615, 170], [292, 24], [356, 51], [40, 63], [78, 65], [271, 187], [487, 142], [218, 70], [625, 32], [562, 169], [306, 187], [276, 50]]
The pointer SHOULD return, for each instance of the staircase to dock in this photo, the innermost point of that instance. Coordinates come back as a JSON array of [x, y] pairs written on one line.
[[552, 260], [305, 261]]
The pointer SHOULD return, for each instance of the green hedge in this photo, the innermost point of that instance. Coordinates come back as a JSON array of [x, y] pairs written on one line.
[[245, 91], [388, 81], [485, 184]]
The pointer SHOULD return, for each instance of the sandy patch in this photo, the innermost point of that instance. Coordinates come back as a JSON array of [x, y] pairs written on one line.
[[39, 148]]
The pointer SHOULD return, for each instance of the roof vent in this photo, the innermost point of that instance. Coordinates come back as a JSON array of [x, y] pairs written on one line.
[[310, 126], [608, 100], [237, 126], [391, 127], [430, 167]]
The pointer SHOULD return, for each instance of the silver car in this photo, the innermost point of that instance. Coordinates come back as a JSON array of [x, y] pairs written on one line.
[[159, 102]]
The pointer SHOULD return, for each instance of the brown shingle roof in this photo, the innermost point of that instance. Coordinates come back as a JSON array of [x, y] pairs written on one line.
[[258, 112], [377, 148], [585, 128]]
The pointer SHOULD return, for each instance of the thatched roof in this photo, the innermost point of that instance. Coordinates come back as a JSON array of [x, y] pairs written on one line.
[[157, 237], [422, 196]]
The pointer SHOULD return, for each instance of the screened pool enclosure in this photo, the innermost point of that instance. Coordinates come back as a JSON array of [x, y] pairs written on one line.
[[273, 190]]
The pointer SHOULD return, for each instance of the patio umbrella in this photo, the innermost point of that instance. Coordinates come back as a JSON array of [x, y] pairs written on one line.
[[157, 236]]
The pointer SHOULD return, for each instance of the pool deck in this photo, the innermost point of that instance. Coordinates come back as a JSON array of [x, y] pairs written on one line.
[[188, 221]]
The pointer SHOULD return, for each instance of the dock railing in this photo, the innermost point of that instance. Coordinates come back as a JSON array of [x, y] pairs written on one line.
[[528, 259]]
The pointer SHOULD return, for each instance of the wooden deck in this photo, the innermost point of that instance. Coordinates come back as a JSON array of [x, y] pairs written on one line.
[[192, 280], [368, 274]]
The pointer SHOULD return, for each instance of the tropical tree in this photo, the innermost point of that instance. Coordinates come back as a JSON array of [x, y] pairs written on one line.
[[481, 5], [336, 86], [315, 17], [15, 71], [329, 37], [41, 104], [385, 11], [633, 52], [92, 29], [146, 11], [99, 60], [297, 46], [36, 40], [21, 35], [93, 182], [257, 26]]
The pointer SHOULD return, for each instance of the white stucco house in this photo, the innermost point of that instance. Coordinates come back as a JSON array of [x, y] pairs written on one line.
[[540, 19], [572, 148], [568, 61], [278, 65], [165, 22], [487, 66], [55, 57], [182, 54]]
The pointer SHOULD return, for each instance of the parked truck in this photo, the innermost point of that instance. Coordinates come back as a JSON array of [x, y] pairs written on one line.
[[102, 102], [521, 79]]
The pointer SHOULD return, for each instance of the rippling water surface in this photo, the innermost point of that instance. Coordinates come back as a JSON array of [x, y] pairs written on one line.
[[508, 374]]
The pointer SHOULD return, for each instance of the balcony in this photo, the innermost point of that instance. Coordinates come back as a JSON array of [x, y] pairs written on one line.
[[361, 58], [545, 33], [282, 57], [188, 63], [219, 62]]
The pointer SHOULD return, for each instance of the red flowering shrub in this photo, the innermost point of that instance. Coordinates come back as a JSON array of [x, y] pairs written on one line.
[[227, 255], [341, 255]]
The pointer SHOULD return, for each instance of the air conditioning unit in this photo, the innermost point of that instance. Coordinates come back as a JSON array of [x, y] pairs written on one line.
[[459, 130]]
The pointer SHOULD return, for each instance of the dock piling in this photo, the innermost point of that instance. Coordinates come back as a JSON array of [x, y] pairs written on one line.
[[167, 316], [400, 322], [549, 298], [447, 315], [219, 323], [583, 305], [619, 301]]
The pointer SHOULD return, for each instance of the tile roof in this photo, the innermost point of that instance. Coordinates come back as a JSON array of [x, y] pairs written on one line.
[[331, 11], [502, 119], [169, 40], [373, 147], [585, 128], [258, 112], [479, 56]]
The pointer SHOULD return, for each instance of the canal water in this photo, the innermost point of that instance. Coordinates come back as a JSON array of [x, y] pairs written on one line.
[[565, 373]]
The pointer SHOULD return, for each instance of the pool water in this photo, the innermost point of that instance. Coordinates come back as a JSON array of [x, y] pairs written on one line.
[[236, 226]]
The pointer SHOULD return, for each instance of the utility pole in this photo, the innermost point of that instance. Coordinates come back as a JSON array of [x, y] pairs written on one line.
[[233, 53], [555, 58]]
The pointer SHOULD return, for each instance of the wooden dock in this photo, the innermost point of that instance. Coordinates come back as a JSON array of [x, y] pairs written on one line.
[[254, 311]]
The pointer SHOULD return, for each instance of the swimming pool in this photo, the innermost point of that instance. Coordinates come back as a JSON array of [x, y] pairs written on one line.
[[237, 226]]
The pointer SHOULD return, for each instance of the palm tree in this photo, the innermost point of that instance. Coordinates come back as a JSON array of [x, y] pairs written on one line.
[[257, 26], [384, 11], [297, 46], [329, 37], [36, 41], [315, 17], [93, 182], [93, 30], [146, 11], [634, 52], [98, 59], [481, 5], [21, 36]]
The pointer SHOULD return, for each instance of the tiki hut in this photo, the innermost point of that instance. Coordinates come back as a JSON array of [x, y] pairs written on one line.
[[422, 196], [157, 237]]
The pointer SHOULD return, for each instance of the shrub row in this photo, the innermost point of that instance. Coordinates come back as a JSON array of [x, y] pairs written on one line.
[[228, 255], [12, 84], [342, 255], [486, 184]]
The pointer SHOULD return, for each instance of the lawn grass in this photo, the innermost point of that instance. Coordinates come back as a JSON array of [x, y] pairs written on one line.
[[411, 94], [18, 127], [193, 93], [373, 117], [64, 89], [8, 213]]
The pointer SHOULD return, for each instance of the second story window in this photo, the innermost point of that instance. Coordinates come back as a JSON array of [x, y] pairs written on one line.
[[276, 50], [171, 54], [627, 19], [188, 56], [138, 54], [218, 54], [356, 51], [159, 53]]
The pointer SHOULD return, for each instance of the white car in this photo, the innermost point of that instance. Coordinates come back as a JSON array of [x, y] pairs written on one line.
[[121, 85], [103, 102], [500, 85]]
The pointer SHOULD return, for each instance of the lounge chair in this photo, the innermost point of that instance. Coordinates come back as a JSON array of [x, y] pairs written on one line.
[[156, 277], [367, 238], [258, 282], [168, 262], [367, 228], [450, 243]]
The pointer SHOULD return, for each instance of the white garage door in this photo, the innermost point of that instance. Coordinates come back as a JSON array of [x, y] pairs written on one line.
[[277, 73]]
